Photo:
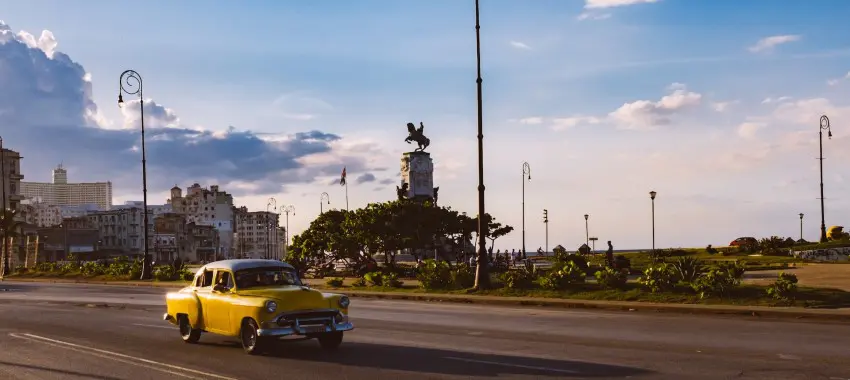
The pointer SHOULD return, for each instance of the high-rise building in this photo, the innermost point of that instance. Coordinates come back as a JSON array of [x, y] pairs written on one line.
[[61, 193], [258, 234], [11, 189], [207, 207]]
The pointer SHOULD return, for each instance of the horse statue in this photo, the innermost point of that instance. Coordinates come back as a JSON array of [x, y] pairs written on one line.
[[415, 134]]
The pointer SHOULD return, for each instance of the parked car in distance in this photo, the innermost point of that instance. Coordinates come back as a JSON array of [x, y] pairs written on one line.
[[743, 241], [257, 301]]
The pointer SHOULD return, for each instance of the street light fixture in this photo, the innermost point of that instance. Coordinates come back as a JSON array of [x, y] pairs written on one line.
[[526, 176], [824, 125], [130, 82], [482, 276], [652, 195], [801, 226], [546, 223], [586, 230], [324, 197]]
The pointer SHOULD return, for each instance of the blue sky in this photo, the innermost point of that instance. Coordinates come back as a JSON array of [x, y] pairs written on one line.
[[672, 95]]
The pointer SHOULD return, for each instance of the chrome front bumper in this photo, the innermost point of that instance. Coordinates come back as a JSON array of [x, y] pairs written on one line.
[[297, 329]]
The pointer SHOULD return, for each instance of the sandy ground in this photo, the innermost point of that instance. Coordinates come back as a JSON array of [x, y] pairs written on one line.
[[836, 276]]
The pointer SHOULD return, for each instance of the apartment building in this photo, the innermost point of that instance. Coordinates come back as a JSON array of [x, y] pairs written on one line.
[[61, 193], [10, 174], [258, 234], [122, 230], [207, 207], [40, 214]]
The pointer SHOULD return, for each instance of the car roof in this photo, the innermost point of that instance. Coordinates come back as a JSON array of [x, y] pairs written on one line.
[[240, 264]]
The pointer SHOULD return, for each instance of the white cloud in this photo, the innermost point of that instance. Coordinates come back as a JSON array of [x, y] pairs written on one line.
[[593, 16], [768, 43], [748, 129], [534, 120], [776, 100], [520, 45], [559, 124], [645, 114], [836, 81], [596, 4], [724, 106]]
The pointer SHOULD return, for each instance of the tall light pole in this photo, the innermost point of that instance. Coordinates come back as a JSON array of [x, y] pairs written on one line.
[[3, 254], [824, 125], [801, 226], [526, 176], [586, 230], [652, 195], [286, 209], [270, 206], [322, 199], [482, 275], [130, 83], [546, 224]]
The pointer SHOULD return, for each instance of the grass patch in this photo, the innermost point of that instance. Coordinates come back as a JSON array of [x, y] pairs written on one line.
[[830, 244]]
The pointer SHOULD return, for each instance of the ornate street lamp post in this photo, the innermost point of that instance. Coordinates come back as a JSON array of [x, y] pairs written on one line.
[[130, 83], [526, 176], [324, 197], [824, 126], [652, 195], [271, 205], [586, 231], [286, 209]]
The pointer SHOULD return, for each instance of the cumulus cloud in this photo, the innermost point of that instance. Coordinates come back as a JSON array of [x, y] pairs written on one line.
[[769, 43], [723, 106], [47, 113], [365, 178], [596, 4], [776, 100], [562, 123], [645, 114], [748, 130], [836, 81], [520, 45]]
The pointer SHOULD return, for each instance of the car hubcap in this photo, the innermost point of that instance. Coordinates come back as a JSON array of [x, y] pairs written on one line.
[[250, 337]]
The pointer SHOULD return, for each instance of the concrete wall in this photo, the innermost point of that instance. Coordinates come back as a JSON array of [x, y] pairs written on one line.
[[825, 255]]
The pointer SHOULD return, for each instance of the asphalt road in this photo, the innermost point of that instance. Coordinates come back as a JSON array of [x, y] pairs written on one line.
[[63, 331]]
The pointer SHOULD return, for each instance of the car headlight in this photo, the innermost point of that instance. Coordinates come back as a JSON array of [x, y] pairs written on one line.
[[271, 306], [344, 302]]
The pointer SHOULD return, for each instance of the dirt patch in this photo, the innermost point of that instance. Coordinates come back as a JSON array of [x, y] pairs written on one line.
[[835, 276]]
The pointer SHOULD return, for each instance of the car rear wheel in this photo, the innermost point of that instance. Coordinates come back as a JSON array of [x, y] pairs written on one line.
[[188, 334], [330, 341], [252, 342]]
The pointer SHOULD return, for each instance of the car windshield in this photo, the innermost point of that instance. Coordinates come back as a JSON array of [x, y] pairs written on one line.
[[262, 277]]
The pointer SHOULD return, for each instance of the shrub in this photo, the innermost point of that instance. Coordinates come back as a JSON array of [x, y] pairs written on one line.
[[719, 280], [186, 275], [658, 277], [334, 282], [688, 269], [774, 245], [784, 288], [359, 282], [562, 276], [463, 276], [521, 278], [20, 269], [374, 278], [610, 278], [391, 280], [65, 268], [434, 274], [564, 257], [164, 273], [92, 268]]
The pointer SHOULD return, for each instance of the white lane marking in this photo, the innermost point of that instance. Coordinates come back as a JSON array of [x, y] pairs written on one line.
[[64, 347], [512, 365], [156, 326], [128, 357]]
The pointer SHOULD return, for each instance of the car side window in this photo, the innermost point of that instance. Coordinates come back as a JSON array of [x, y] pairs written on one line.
[[208, 279], [224, 278]]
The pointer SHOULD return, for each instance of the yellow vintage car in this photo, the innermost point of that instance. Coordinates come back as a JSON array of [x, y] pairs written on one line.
[[257, 301]]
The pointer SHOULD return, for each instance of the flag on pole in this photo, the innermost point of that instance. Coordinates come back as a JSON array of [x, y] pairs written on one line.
[[342, 179]]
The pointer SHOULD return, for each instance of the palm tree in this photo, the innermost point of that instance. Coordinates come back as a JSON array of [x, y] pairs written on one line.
[[9, 228]]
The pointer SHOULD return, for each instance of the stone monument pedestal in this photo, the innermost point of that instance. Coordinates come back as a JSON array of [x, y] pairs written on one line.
[[417, 173]]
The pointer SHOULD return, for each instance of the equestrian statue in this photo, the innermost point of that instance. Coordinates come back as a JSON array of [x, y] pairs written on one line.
[[415, 134]]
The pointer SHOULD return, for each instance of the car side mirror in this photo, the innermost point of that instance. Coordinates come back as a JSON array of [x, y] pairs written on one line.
[[219, 288]]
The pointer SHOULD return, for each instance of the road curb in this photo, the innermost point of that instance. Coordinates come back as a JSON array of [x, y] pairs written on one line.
[[629, 306]]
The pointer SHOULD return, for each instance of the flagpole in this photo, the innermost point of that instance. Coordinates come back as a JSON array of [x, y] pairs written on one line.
[[346, 195]]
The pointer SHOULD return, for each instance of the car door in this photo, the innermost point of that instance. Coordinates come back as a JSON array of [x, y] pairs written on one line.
[[219, 303], [203, 292]]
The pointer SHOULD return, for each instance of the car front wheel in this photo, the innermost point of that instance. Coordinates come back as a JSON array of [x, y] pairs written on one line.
[[252, 342], [188, 334], [330, 341]]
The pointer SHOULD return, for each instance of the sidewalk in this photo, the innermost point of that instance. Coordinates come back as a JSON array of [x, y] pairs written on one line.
[[842, 315]]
